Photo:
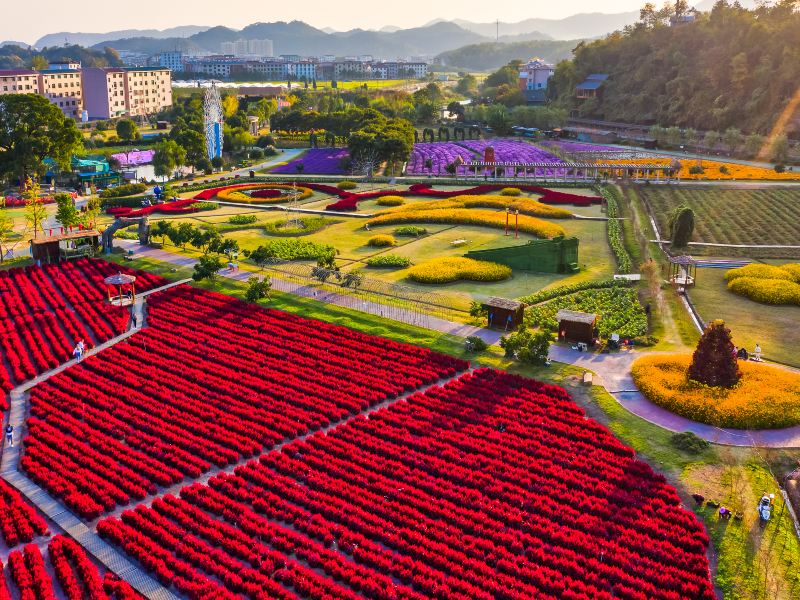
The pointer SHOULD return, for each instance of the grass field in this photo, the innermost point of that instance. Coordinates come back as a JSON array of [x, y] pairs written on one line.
[[749, 562], [775, 328], [731, 216]]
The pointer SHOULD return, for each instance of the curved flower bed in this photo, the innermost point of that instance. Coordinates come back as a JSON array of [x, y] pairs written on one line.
[[455, 268], [259, 193], [766, 397], [768, 284], [178, 207]]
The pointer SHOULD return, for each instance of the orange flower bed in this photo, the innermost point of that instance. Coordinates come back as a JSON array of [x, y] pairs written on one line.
[[712, 170], [766, 397]]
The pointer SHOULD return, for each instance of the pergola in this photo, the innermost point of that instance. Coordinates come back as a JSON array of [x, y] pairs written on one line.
[[575, 171], [121, 283], [683, 271]]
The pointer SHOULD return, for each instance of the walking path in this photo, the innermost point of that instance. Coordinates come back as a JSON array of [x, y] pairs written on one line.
[[53, 509], [613, 370]]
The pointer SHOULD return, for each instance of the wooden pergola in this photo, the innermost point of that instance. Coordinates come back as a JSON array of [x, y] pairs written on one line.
[[575, 171], [683, 271], [120, 283]]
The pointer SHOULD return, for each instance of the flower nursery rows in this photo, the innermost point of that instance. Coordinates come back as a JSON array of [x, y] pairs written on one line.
[[76, 577], [491, 487], [176, 399], [19, 521], [44, 311]]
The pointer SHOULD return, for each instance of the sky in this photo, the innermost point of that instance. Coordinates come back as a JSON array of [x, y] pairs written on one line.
[[27, 23]]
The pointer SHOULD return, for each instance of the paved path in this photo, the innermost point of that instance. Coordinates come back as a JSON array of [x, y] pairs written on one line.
[[613, 370], [52, 508]]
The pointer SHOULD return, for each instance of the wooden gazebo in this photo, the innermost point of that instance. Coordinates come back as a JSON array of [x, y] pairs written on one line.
[[683, 271], [124, 287], [504, 313], [575, 326]]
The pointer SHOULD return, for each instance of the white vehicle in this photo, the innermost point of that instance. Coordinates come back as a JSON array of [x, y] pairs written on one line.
[[765, 506]]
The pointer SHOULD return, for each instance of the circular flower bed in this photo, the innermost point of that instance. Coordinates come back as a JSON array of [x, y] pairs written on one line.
[[259, 193], [765, 398], [453, 268]]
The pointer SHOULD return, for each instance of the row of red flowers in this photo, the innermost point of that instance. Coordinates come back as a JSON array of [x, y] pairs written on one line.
[[19, 521], [177, 207], [491, 487], [78, 578], [44, 311], [149, 412]]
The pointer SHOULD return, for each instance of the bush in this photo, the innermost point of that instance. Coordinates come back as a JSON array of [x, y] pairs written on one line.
[[475, 344], [779, 168], [410, 231], [696, 170], [242, 219], [510, 191], [270, 151], [688, 442], [290, 249], [724, 170], [766, 291], [295, 227], [614, 229], [765, 398], [256, 153], [347, 185], [527, 347], [448, 269], [381, 241], [790, 272], [388, 261], [127, 189], [390, 201]]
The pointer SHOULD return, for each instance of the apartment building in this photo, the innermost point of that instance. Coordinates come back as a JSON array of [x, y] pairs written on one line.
[[64, 88], [19, 81], [132, 91]]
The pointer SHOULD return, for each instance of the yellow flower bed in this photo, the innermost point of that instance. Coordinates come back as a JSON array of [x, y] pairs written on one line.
[[767, 284], [390, 201], [766, 397], [381, 241], [711, 169], [453, 268], [457, 212], [237, 195]]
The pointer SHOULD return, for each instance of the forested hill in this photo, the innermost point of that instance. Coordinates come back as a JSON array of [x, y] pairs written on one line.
[[492, 55], [18, 57], [729, 68]]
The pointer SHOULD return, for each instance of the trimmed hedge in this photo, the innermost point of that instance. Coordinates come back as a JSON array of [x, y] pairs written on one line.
[[390, 261], [381, 241], [624, 261], [127, 189], [390, 201]]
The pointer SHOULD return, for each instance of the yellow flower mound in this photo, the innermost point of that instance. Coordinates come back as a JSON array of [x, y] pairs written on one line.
[[390, 201], [765, 398], [453, 268], [767, 284], [381, 241], [237, 195]]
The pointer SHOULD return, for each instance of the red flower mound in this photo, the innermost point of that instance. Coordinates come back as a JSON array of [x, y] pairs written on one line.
[[493, 486], [45, 311], [178, 398], [19, 521], [178, 207]]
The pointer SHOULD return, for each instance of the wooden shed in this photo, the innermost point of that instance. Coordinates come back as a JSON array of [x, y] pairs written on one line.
[[574, 326], [503, 313], [54, 248]]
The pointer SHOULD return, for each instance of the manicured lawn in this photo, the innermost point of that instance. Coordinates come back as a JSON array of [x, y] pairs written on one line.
[[775, 328], [731, 216]]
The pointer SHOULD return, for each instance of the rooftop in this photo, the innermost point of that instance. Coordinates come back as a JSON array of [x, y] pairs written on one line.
[[504, 303], [66, 236], [575, 316]]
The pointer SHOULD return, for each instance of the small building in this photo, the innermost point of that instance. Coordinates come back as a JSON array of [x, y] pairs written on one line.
[[65, 246], [591, 87], [503, 313], [683, 271], [575, 326]]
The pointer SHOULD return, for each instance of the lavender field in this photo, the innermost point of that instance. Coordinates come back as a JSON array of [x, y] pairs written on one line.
[[316, 161]]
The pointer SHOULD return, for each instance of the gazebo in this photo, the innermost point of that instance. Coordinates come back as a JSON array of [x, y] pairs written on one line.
[[683, 271], [124, 286], [575, 326]]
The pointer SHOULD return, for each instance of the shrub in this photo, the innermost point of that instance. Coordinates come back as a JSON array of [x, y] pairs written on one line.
[[681, 226], [347, 185], [766, 291], [526, 346], [473, 343], [510, 191], [200, 206], [453, 268], [242, 219], [688, 442], [714, 360], [779, 168], [290, 249], [410, 231], [390, 201], [696, 170], [381, 241], [388, 261], [765, 398], [789, 272], [614, 229], [127, 189], [294, 227], [724, 170]]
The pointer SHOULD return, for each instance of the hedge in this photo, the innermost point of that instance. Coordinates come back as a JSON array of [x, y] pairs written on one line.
[[624, 261]]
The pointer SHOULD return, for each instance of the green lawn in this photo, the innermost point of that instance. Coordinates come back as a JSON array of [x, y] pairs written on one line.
[[775, 328]]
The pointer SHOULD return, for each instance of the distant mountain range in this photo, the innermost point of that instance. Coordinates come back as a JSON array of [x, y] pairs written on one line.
[[297, 37]]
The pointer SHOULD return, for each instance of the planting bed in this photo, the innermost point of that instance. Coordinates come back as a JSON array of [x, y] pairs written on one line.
[[491, 487]]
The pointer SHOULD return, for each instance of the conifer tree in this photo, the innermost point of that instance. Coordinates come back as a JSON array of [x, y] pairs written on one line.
[[714, 362]]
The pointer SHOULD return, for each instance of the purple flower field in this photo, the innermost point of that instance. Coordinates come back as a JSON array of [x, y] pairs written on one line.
[[135, 158], [441, 154], [516, 151], [316, 161]]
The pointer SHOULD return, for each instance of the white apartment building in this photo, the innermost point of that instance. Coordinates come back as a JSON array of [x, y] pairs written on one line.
[[19, 81], [171, 60], [64, 89], [134, 91], [247, 48]]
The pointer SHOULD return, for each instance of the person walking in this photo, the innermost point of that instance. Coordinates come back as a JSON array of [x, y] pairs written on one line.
[[10, 435]]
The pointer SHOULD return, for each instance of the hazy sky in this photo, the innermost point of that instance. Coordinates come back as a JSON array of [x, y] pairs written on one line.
[[28, 22]]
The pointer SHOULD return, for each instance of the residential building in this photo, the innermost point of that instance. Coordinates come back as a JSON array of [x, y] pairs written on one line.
[[171, 60], [132, 91], [69, 65], [260, 48], [534, 74], [591, 87], [19, 81], [63, 88], [305, 70]]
